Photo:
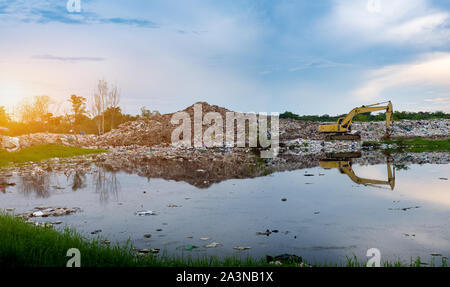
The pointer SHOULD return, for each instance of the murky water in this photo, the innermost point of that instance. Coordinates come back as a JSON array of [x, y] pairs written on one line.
[[325, 216]]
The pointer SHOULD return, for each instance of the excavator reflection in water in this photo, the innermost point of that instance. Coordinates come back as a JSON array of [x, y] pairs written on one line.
[[344, 165]]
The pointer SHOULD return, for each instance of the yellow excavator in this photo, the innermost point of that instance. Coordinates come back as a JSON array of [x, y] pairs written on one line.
[[342, 130], [345, 167]]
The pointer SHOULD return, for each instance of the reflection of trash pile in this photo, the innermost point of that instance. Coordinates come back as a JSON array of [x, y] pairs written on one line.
[[199, 168]]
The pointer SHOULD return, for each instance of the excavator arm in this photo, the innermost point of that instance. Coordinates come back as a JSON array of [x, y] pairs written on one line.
[[343, 125], [345, 167]]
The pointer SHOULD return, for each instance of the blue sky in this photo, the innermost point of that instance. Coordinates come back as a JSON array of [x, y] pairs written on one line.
[[309, 57]]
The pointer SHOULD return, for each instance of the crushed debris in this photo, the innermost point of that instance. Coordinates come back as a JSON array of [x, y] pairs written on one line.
[[50, 212]]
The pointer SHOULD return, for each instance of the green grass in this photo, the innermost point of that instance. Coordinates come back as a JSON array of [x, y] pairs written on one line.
[[42, 152], [413, 145], [25, 245]]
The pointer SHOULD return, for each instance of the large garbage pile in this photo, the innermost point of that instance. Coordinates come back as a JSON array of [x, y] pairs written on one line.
[[157, 131], [373, 131]]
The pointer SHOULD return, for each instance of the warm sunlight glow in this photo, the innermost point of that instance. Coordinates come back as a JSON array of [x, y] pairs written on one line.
[[11, 93]]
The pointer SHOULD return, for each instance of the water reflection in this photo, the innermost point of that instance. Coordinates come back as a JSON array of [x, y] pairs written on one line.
[[38, 183], [344, 165], [106, 184], [79, 180]]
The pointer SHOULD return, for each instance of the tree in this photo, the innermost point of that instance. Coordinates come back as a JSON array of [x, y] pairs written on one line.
[[113, 103], [35, 111], [146, 113], [4, 117], [98, 105], [78, 107]]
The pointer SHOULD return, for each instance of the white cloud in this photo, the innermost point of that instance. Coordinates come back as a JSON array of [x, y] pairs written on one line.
[[432, 70], [394, 22]]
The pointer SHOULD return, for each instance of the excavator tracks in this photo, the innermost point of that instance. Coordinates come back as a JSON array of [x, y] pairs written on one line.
[[343, 137]]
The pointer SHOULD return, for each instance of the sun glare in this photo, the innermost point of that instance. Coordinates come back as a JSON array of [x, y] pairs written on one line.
[[11, 93]]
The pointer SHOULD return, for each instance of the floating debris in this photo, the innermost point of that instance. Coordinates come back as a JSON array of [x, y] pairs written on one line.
[[96, 231], [147, 235], [205, 238], [405, 208], [44, 211], [241, 248], [145, 213], [213, 245], [267, 233], [191, 247], [284, 258]]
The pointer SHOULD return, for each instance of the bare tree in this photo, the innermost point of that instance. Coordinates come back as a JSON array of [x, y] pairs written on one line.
[[98, 105], [113, 102], [35, 110]]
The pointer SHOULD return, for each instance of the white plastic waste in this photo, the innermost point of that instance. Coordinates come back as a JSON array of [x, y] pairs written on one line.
[[10, 144]]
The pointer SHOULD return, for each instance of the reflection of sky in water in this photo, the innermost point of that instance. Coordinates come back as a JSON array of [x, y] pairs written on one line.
[[324, 221]]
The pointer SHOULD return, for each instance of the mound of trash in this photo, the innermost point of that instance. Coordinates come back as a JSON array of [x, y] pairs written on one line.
[[157, 131], [154, 130]]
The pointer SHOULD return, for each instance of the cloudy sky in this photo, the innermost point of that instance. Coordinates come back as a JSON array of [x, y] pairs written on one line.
[[309, 57]]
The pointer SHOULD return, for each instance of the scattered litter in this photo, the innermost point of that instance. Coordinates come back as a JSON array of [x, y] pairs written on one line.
[[191, 247], [45, 211], [145, 213], [38, 214], [213, 245], [405, 208], [284, 258], [241, 248], [267, 233]]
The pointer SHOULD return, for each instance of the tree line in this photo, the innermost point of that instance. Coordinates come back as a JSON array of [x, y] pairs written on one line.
[[368, 117], [99, 115]]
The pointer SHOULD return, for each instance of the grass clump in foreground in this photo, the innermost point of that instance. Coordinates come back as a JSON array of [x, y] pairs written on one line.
[[43, 152], [25, 245], [413, 145]]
